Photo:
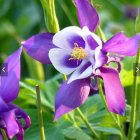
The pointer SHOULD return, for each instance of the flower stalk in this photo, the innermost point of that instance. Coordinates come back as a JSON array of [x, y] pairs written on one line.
[[133, 117], [51, 21], [40, 116], [87, 124], [3, 134], [101, 34], [135, 104]]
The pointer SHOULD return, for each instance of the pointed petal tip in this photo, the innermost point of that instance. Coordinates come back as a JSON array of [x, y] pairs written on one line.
[[115, 94], [38, 47], [119, 112], [71, 96], [122, 45], [86, 14]]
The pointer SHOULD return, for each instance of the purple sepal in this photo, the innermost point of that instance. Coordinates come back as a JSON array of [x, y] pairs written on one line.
[[122, 45], [87, 14], [38, 47], [71, 96], [114, 91], [9, 85]]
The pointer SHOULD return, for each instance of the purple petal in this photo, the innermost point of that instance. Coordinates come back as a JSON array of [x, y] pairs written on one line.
[[71, 96], [9, 86], [3, 106], [60, 60], [114, 91], [11, 124], [66, 38], [20, 135], [21, 115], [83, 71], [122, 45], [100, 58], [38, 47], [87, 14], [93, 41]]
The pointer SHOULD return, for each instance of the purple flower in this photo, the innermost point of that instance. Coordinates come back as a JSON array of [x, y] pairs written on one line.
[[11, 115], [79, 53]]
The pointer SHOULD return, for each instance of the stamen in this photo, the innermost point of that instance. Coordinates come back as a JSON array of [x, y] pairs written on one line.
[[78, 53]]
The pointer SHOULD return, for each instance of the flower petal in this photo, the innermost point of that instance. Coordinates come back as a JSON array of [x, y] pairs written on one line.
[[122, 45], [83, 71], [3, 106], [66, 38], [23, 115], [71, 96], [100, 58], [38, 47], [20, 135], [87, 14], [93, 41], [11, 124], [114, 91], [60, 60], [9, 86]]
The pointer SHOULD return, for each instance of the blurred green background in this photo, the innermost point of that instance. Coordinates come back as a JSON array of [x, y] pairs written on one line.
[[21, 19]]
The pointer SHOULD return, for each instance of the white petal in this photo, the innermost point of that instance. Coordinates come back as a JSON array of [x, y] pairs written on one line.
[[60, 60]]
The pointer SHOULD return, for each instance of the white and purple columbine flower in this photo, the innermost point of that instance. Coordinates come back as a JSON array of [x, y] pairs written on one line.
[[11, 115], [79, 53]]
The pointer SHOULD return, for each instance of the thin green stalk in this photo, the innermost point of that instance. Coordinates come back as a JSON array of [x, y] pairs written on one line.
[[133, 117], [3, 134], [50, 15], [100, 33], [40, 116], [87, 124]]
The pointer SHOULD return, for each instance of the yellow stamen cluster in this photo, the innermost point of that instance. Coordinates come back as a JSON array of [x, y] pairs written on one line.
[[78, 53]]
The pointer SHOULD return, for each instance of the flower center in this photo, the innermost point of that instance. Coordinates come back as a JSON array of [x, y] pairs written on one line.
[[78, 53]]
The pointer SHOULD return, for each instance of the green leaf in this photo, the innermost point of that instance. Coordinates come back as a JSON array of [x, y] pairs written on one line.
[[98, 116], [53, 130], [50, 15], [76, 134]]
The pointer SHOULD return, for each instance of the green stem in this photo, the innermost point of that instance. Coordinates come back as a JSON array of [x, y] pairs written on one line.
[[3, 134], [100, 33], [133, 117], [87, 124], [50, 15], [40, 116]]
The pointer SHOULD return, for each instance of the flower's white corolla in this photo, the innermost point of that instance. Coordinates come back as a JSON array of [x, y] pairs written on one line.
[[78, 53]]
